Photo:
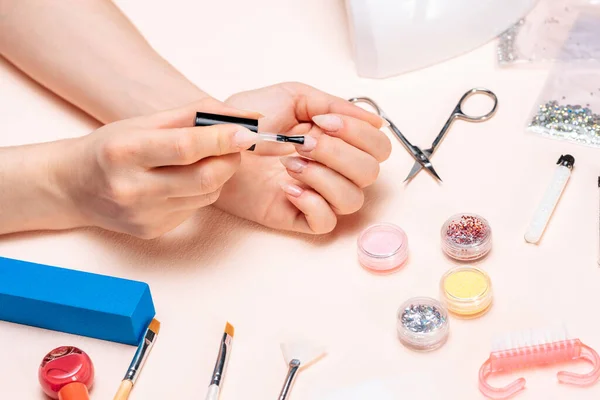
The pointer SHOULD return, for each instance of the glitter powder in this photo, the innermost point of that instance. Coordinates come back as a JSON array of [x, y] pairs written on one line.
[[551, 32], [467, 230], [422, 324], [507, 51], [422, 318], [574, 123], [466, 237]]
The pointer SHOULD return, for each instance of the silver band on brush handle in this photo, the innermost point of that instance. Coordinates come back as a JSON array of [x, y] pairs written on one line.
[[222, 359], [140, 357]]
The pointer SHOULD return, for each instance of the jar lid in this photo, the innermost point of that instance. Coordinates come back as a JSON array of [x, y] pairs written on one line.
[[466, 291], [422, 324]]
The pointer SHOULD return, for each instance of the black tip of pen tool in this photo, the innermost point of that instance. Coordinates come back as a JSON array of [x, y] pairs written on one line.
[[291, 139], [566, 161]]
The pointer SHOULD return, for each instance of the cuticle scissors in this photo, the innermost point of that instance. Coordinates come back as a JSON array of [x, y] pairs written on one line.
[[422, 156]]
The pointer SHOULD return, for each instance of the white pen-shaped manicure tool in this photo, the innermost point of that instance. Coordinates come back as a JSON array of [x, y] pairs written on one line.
[[544, 211]]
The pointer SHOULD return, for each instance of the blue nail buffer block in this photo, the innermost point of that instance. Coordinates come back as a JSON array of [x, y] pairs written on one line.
[[81, 303]]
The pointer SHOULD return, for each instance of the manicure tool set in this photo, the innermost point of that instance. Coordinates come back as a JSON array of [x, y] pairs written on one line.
[[422, 157], [422, 323]]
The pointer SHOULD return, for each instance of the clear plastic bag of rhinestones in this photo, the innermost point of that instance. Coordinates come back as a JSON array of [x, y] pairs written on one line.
[[569, 106], [565, 30]]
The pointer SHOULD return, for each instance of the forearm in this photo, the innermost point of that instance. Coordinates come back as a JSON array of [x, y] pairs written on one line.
[[89, 53], [30, 196]]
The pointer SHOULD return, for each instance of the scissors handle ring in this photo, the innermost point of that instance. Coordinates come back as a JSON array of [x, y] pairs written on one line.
[[476, 118], [370, 102]]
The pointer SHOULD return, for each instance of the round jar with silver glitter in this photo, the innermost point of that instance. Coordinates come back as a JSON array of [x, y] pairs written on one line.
[[466, 237], [423, 324]]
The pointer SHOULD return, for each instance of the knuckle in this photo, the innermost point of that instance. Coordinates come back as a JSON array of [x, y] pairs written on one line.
[[185, 147], [351, 202], [120, 192], [334, 147], [212, 176], [356, 202], [326, 226], [114, 151], [207, 180], [148, 232], [369, 174], [231, 163], [294, 85], [386, 149], [212, 197], [223, 139]]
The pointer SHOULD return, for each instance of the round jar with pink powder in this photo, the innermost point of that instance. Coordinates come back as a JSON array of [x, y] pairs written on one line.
[[383, 248]]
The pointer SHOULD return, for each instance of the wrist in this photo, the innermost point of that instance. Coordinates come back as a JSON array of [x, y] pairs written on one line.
[[61, 167], [171, 92], [30, 197], [149, 92]]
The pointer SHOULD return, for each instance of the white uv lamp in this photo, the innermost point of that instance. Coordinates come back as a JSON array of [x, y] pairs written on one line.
[[395, 36]]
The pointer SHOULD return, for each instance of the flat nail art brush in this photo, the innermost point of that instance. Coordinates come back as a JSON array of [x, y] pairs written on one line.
[[139, 359], [216, 382]]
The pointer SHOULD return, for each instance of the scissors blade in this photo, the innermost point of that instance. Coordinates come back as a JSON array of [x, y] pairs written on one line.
[[423, 159], [417, 167], [432, 171]]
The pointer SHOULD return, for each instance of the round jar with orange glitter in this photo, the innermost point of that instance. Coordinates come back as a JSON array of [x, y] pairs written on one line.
[[466, 237]]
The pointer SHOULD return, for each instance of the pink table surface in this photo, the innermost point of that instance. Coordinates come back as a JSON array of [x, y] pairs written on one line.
[[274, 286]]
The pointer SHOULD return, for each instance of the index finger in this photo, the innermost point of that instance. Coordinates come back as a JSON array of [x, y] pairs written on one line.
[[185, 146], [316, 102]]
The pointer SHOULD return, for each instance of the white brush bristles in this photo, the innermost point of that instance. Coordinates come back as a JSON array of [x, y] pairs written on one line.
[[529, 337], [306, 353]]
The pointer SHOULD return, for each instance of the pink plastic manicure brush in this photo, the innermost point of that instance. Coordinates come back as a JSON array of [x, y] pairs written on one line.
[[535, 348]]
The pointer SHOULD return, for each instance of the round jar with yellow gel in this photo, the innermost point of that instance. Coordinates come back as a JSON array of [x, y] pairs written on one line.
[[466, 291]]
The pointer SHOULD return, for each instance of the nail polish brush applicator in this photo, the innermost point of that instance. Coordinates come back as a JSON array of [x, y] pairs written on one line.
[[207, 119]]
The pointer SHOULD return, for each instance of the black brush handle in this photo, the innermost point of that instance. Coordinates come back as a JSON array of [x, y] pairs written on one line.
[[206, 119]]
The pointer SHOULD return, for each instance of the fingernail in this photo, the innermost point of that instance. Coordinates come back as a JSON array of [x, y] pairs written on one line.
[[309, 143], [244, 138], [384, 123], [291, 189], [328, 122], [294, 164]]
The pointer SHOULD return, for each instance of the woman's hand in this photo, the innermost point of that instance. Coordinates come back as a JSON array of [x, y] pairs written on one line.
[[305, 188], [145, 176]]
